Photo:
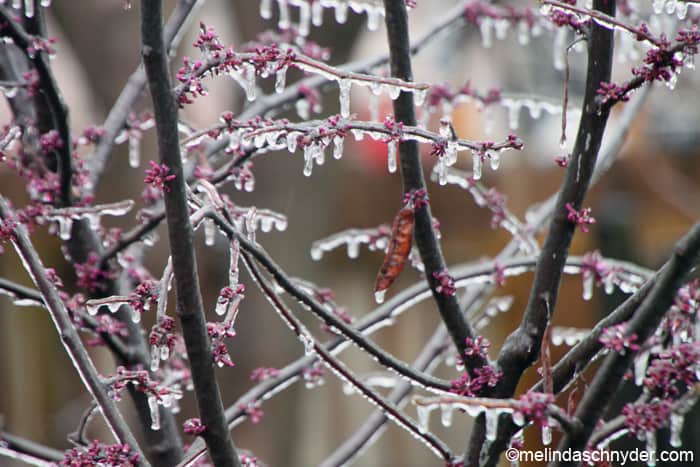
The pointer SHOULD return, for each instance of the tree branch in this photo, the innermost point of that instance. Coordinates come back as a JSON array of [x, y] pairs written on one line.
[[412, 178], [642, 324], [68, 335], [189, 299]]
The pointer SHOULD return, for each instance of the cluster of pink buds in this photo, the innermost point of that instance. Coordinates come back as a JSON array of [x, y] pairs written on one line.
[[616, 338], [445, 283], [262, 373], [158, 176], [533, 406], [581, 218], [416, 198], [97, 453], [472, 382], [91, 275], [194, 427]]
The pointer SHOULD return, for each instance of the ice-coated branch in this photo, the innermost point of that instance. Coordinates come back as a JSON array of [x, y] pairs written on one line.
[[118, 115], [413, 179], [330, 319], [16, 447], [341, 370], [49, 87], [189, 299], [642, 325], [67, 333]]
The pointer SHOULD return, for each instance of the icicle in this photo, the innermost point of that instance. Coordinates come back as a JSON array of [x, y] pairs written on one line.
[[501, 26], [676, 429], [670, 7], [209, 232], [308, 344], [423, 412], [394, 92], [546, 435], [303, 107], [164, 352], [513, 115], [681, 10], [441, 169], [29, 8], [337, 147], [134, 151], [308, 160], [341, 12], [266, 9], [689, 62], [135, 315], [494, 160], [491, 424], [280, 80], [476, 166], [518, 418], [587, 286], [283, 22], [391, 156], [155, 358], [378, 295], [485, 28], [344, 86], [640, 367], [523, 33], [317, 13], [353, 248], [446, 414], [650, 437], [373, 15], [65, 225], [304, 19], [250, 223], [155, 414], [609, 284], [249, 79]]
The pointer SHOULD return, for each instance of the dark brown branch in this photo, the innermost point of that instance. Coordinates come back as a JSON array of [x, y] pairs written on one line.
[[522, 347], [49, 87], [413, 179], [642, 324], [189, 300]]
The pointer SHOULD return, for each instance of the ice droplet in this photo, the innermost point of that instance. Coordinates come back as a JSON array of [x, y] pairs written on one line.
[[650, 437], [283, 22], [546, 435], [587, 286], [341, 12], [280, 80], [640, 367], [155, 414], [676, 429], [304, 19], [491, 424], [485, 27], [379, 296], [266, 9], [476, 166], [423, 413], [249, 81], [134, 151], [209, 232], [316, 254], [337, 147], [29, 8], [344, 86], [155, 358], [391, 156], [446, 414], [317, 14]]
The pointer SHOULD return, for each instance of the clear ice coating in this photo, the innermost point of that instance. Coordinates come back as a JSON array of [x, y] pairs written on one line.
[[391, 156], [677, 421], [155, 414], [588, 282]]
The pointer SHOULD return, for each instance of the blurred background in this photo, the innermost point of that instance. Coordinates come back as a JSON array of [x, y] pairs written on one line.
[[647, 201]]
